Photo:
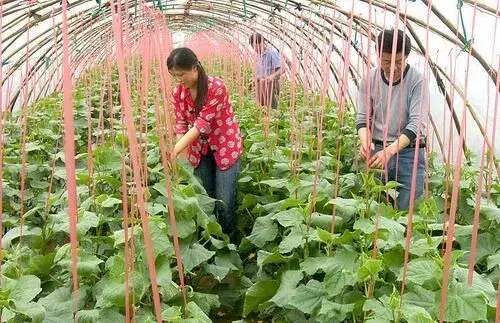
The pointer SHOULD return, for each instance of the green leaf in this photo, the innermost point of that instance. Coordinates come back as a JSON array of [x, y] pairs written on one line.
[[33, 146], [324, 221], [59, 305], [172, 314], [421, 270], [276, 183], [231, 260], [491, 212], [257, 294], [188, 208], [119, 236], [194, 255], [423, 298], [289, 218], [156, 208], [422, 246], [41, 265], [163, 271], [493, 261], [464, 303], [206, 302], [82, 179], [394, 259], [185, 227], [294, 239], [87, 264], [111, 290], [289, 280], [196, 312], [214, 228], [364, 225], [396, 232], [336, 279], [245, 179], [479, 283], [420, 318], [144, 314], [311, 265], [108, 158], [86, 220], [345, 258], [15, 233], [325, 236], [369, 269], [32, 310], [347, 208], [379, 309], [110, 315], [415, 314], [290, 203], [87, 316], [264, 258], [264, 230], [334, 312], [487, 244], [111, 202], [39, 185], [219, 272], [25, 289], [307, 298], [161, 242], [112, 181], [161, 188]]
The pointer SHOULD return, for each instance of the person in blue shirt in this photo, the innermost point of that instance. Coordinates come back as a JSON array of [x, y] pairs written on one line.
[[268, 72]]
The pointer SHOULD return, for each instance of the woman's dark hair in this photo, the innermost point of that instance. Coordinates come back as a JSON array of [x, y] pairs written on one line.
[[385, 38], [185, 59]]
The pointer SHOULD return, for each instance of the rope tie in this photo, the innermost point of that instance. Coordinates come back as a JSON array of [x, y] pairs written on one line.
[[468, 41]]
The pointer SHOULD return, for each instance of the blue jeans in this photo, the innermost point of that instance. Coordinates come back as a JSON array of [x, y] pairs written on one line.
[[220, 185], [404, 174]]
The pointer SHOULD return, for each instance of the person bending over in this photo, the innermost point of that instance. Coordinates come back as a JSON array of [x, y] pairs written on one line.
[[207, 132]]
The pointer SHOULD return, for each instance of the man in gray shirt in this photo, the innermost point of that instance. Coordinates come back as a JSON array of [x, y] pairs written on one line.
[[391, 131]]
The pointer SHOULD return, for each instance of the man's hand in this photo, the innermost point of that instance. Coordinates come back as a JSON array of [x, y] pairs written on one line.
[[366, 145], [381, 158], [267, 79], [366, 148]]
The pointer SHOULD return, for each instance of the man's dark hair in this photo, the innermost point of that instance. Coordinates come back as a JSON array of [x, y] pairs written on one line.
[[385, 39], [256, 39]]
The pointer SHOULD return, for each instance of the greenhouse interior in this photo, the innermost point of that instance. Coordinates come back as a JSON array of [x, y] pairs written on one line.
[[250, 161]]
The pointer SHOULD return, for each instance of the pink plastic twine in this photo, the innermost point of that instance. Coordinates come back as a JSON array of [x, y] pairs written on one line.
[[456, 188], [69, 153], [134, 155], [1, 132]]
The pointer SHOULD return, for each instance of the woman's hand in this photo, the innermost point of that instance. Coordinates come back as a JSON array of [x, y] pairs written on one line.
[[181, 147], [182, 155]]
